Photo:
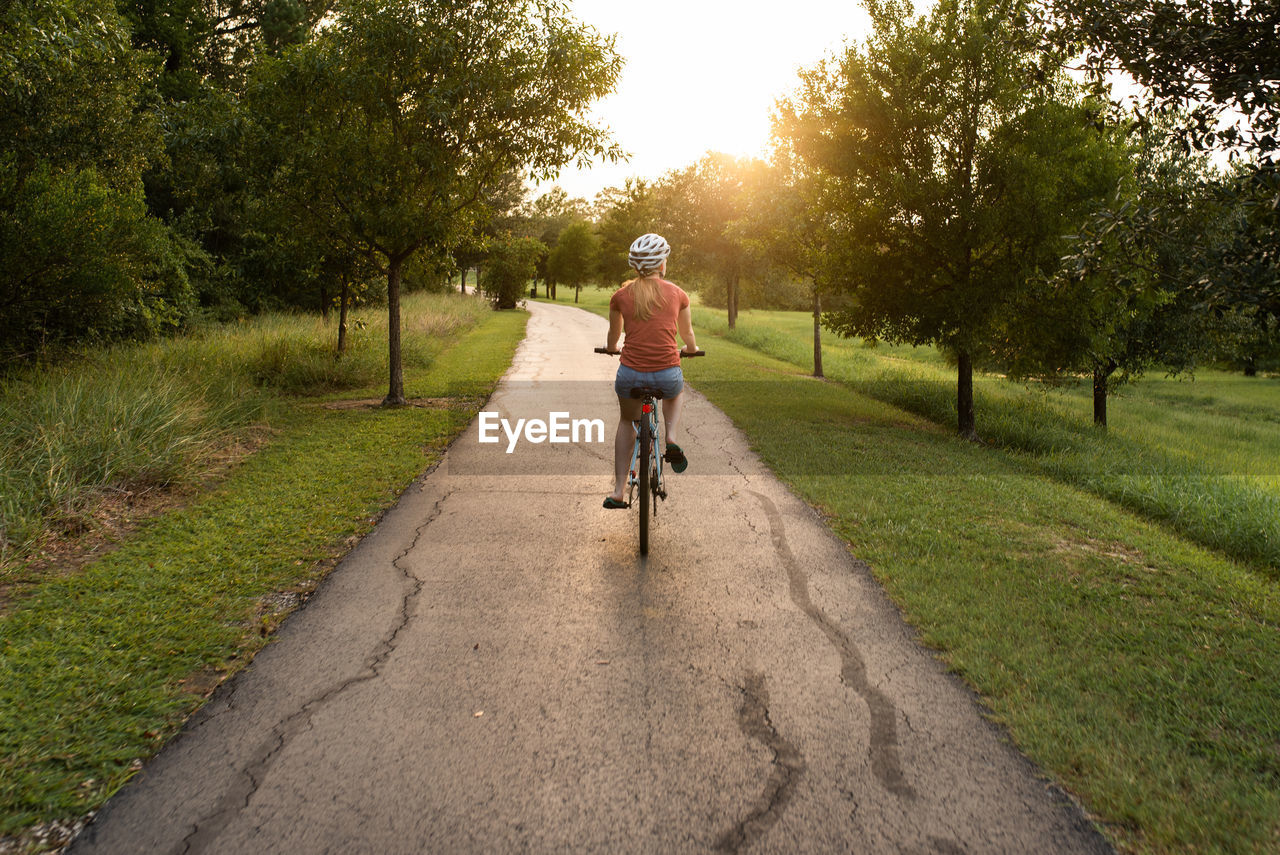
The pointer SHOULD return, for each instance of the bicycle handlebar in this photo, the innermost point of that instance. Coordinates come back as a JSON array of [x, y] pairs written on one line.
[[683, 354]]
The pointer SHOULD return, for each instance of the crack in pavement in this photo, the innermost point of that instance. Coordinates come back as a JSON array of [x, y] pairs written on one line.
[[853, 673], [733, 463], [238, 795], [786, 766]]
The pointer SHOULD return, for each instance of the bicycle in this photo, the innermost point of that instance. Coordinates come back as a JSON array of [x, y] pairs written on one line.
[[647, 479]]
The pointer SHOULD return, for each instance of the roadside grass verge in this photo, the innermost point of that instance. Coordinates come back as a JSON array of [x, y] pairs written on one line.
[[99, 668], [1141, 670], [130, 418], [1202, 457]]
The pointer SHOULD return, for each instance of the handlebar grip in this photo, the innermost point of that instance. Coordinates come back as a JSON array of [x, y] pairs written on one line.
[[608, 351], [683, 355]]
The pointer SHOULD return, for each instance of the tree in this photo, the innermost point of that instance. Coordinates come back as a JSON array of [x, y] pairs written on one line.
[[544, 219], [951, 169], [1211, 65], [788, 228], [622, 214], [576, 256], [1257, 350], [392, 124], [701, 204], [498, 213], [1122, 301], [351, 272], [81, 257], [511, 264]]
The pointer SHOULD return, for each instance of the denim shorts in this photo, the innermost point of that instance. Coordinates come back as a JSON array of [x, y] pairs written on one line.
[[669, 380]]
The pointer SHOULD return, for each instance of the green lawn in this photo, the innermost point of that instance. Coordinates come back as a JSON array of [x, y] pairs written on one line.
[[1201, 456], [99, 668], [1132, 654]]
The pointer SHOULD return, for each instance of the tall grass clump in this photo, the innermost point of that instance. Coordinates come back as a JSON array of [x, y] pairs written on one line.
[[66, 436], [135, 416], [297, 354]]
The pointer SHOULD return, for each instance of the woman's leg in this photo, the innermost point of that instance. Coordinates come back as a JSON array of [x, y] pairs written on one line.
[[624, 443], [671, 416]]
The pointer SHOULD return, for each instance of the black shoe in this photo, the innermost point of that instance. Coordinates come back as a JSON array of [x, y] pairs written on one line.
[[676, 458]]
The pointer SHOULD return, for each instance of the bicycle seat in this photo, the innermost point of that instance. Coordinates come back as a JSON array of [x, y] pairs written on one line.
[[646, 392]]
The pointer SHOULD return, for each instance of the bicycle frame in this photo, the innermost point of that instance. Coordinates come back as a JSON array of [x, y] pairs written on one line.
[[648, 420], [646, 471]]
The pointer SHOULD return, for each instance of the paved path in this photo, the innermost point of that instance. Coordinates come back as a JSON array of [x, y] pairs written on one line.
[[494, 669]]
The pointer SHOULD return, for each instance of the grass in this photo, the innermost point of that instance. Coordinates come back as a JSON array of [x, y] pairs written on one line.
[[99, 668], [1202, 456], [1140, 669], [134, 417]]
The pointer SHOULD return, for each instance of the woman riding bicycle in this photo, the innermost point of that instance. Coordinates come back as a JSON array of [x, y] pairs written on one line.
[[650, 310]]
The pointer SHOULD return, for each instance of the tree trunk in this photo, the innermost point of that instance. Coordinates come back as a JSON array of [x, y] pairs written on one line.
[[732, 299], [464, 280], [324, 302], [395, 392], [343, 299], [817, 334], [1101, 374], [964, 395], [1099, 396], [577, 289], [553, 289], [1250, 367]]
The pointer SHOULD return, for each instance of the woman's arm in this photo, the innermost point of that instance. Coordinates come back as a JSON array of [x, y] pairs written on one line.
[[615, 330], [685, 324]]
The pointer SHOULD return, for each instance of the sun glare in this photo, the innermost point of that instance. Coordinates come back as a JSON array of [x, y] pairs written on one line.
[[702, 76]]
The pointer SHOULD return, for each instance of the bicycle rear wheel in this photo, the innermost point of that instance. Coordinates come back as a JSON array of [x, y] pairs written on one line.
[[646, 496]]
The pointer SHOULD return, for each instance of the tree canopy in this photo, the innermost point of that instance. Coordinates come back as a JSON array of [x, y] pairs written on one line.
[[576, 256], [954, 161], [1211, 76], [1208, 59], [82, 258], [434, 104], [701, 206]]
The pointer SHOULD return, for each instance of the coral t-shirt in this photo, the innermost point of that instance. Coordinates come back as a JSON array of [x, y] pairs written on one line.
[[650, 345]]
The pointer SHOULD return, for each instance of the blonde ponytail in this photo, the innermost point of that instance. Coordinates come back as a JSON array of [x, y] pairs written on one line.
[[646, 294]]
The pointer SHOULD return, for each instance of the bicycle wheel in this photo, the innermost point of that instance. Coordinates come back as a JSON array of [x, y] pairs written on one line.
[[643, 464]]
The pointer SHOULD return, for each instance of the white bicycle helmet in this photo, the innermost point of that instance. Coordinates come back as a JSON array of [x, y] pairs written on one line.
[[648, 252]]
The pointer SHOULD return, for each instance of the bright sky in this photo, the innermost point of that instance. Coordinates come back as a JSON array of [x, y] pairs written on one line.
[[702, 75]]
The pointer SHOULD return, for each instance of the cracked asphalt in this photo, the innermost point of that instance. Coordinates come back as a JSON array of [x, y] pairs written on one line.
[[495, 669]]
